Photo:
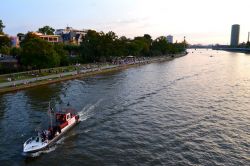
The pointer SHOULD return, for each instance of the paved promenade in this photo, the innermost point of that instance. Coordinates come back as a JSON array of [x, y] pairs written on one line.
[[54, 76]]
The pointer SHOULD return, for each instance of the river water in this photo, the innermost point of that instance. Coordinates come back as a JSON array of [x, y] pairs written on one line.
[[194, 110]]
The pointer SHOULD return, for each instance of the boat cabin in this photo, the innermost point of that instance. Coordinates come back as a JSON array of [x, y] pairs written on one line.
[[63, 117]]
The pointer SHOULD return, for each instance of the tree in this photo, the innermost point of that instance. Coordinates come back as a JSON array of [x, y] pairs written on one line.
[[5, 41], [29, 36], [47, 30], [90, 46], [14, 51], [1, 27], [5, 50], [159, 46], [38, 53], [101, 47], [62, 54], [148, 38]]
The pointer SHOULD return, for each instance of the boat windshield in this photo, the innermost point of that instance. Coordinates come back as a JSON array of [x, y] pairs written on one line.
[[37, 139]]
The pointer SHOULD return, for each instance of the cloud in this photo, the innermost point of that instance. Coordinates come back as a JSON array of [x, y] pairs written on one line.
[[131, 21]]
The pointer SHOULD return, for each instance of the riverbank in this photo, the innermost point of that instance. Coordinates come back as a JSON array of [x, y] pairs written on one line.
[[13, 86]]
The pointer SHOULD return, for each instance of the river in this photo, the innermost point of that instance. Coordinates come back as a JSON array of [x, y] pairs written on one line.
[[193, 110]]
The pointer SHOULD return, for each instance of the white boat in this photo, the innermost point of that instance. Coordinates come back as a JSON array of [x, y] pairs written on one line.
[[64, 120]]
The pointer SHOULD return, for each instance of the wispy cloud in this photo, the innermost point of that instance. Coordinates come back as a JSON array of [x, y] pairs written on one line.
[[131, 21]]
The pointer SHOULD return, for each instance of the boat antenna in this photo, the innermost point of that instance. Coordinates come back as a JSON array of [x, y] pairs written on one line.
[[50, 115]]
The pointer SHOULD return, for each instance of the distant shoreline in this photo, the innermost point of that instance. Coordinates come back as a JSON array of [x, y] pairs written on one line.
[[240, 50], [87, 74]]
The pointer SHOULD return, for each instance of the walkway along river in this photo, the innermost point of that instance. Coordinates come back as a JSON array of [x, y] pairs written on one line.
[[193, 110]]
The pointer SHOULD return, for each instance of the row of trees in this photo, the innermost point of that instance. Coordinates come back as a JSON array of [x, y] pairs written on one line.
[[36, 53], [104, 46]]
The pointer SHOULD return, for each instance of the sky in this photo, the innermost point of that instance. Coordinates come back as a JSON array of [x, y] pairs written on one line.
[[201, 21]]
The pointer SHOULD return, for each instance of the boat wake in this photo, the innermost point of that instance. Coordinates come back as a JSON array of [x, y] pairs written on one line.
[[88, 111]]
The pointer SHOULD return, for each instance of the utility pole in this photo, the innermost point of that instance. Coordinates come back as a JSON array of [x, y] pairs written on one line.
[[50, 115]]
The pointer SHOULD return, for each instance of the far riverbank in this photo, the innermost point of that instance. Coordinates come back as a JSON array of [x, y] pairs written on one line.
[[240, 50], [13, 86]]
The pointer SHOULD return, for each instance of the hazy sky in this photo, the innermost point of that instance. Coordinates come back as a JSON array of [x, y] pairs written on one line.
[[201, 21]]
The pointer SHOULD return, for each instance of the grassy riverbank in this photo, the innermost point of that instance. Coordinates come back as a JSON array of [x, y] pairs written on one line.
[[14, 88]]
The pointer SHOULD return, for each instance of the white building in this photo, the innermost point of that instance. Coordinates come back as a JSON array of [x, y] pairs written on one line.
[[70, 35], [170, 39]]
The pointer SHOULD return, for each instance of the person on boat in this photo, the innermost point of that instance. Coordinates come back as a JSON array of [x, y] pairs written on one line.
[[50, 137], [43, 136]]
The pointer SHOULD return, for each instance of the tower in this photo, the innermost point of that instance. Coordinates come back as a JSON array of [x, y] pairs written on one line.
[[235, 35], [170, 39]]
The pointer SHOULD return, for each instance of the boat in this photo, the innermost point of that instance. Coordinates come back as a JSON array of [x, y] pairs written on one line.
[[64, 121]]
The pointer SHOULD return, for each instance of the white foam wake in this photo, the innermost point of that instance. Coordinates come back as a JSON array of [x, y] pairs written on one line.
[[88, 110]]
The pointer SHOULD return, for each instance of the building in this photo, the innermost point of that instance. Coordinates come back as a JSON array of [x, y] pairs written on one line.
[[20, 36], [235, 35], [49, 38], [14, 41], [71, 36], [170, 39]]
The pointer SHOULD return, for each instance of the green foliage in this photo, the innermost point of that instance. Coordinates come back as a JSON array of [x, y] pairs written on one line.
[[14, 51], [160, 46], [5, 41], [101, 47], [248, 45], [29, 36], [72, 49], [1, 27], [37, 53], [91, 46], [5, 44], [46, 30], [62, 53], [5, 50]]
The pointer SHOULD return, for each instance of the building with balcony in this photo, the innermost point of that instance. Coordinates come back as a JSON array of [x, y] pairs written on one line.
[[71, 36], [49, 38]]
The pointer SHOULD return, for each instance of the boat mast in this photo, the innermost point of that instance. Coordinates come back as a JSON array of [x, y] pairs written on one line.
[[50, 115]]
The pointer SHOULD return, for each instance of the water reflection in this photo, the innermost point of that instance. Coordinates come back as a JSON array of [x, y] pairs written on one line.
[[2, 106]]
